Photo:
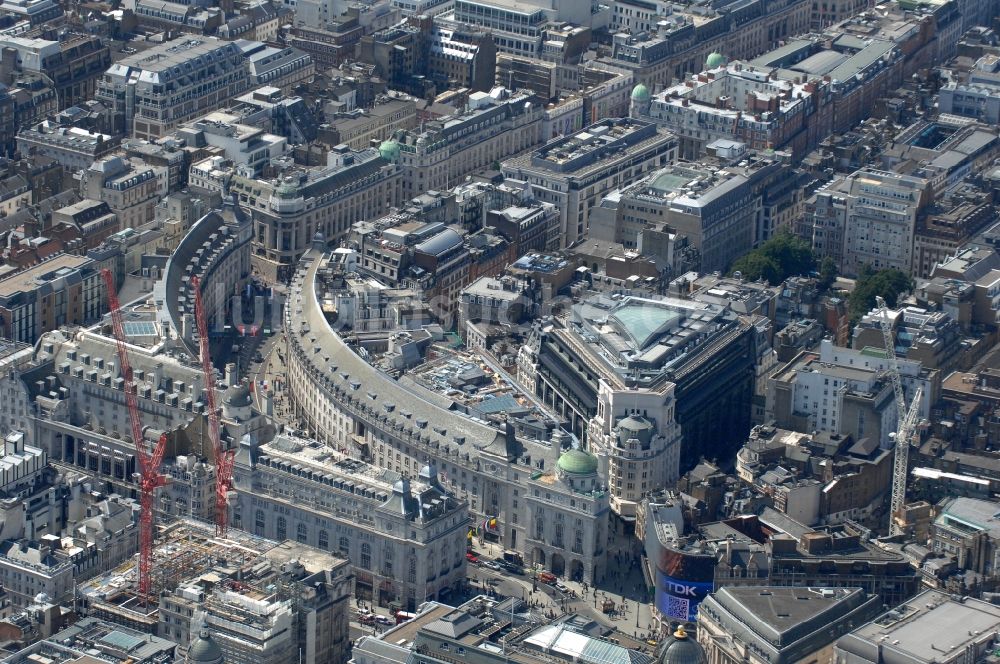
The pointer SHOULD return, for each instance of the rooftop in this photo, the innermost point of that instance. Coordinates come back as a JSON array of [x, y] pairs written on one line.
[[931, 627]]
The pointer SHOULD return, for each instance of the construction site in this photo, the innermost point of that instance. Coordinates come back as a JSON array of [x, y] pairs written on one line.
[[261, 599]]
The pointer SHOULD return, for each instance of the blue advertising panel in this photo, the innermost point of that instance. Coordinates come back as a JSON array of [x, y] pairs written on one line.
[[683, 580]]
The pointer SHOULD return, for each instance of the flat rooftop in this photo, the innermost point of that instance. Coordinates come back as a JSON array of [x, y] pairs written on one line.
[[28, 280], [928, 628]]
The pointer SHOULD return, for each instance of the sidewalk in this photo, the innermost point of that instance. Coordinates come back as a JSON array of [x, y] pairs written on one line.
[[624, 585]]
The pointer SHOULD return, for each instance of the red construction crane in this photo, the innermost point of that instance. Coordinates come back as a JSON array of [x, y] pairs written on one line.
[[149, 460], [223, 458]]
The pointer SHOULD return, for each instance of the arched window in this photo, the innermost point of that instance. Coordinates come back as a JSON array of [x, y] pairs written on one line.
[[282, 529], [301, 534], [366, 556], [323, 540], [345, 547]]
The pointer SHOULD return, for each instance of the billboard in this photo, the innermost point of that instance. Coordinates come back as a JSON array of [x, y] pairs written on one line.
[[683, 580]]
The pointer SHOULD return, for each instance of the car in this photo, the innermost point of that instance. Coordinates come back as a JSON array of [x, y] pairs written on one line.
[[513, 568], [492, 564], [367, 619], [562, 587], [547, 577], [384, 620], [471, 557]]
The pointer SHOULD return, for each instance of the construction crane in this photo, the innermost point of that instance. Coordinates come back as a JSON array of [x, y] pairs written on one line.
[[906, 417], [149, 460], [223, 458]]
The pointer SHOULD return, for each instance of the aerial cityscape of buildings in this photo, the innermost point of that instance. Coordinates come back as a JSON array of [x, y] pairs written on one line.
[[545, 331]]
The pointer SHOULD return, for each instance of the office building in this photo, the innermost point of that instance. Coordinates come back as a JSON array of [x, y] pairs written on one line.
[[423, 54], [575, 172], [73, 147], [775, 625], [817, 478], [216, 250], [151, 92], [934, 627], [72, 62], [65, 290], [441, 153], [290, 210], [977, 95], [683, 39], [555, 514], [870, 218], [722, 210], [845, 391], [651, 383], [130, 187], [282, 68], [91, 639], [405, 539], [966, 529]]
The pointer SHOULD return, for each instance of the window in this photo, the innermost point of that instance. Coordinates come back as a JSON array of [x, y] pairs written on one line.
[[344, 546], [323, 540], [366, 556], [282, 529], [301, 534], [259, 522]]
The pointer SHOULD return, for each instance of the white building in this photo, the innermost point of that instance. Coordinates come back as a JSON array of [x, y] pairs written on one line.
[[241, 144], [405, 540], [352, 406], [869, 218], [978, 96], [575, 172], [155, 90]]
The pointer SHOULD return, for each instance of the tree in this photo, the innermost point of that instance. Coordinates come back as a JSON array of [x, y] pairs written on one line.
[[869, 284], [827, 273], [782, 256], [756, 265]]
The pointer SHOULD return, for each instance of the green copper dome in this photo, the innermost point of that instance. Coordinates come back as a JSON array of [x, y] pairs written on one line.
[[715, 60], [389, 150], [640, 93], [578, 462], [204, 649]]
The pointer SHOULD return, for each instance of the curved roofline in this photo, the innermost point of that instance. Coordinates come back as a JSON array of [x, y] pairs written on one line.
[[480, 436]]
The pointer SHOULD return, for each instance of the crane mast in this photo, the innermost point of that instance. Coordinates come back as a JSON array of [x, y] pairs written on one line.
[[223, 458], [906, 418], [149, 461]]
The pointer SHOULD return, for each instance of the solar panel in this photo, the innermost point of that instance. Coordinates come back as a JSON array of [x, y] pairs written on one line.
[[140, 329]]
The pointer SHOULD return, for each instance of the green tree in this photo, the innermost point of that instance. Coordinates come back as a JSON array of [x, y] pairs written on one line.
[[827, 273], [869, 284], [756, 265], [782, 256]]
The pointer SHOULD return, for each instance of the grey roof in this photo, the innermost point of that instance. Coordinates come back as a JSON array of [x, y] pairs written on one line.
[[441, 243], [789, 623], [927, 628], [972, 512]]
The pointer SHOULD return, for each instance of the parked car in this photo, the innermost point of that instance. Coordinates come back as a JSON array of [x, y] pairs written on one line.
[[547, 577], [384, 620], [471, 557], [492, 564], [562, 587], [513, 568]]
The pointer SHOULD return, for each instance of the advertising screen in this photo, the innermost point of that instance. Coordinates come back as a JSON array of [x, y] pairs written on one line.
[[683, 580]]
